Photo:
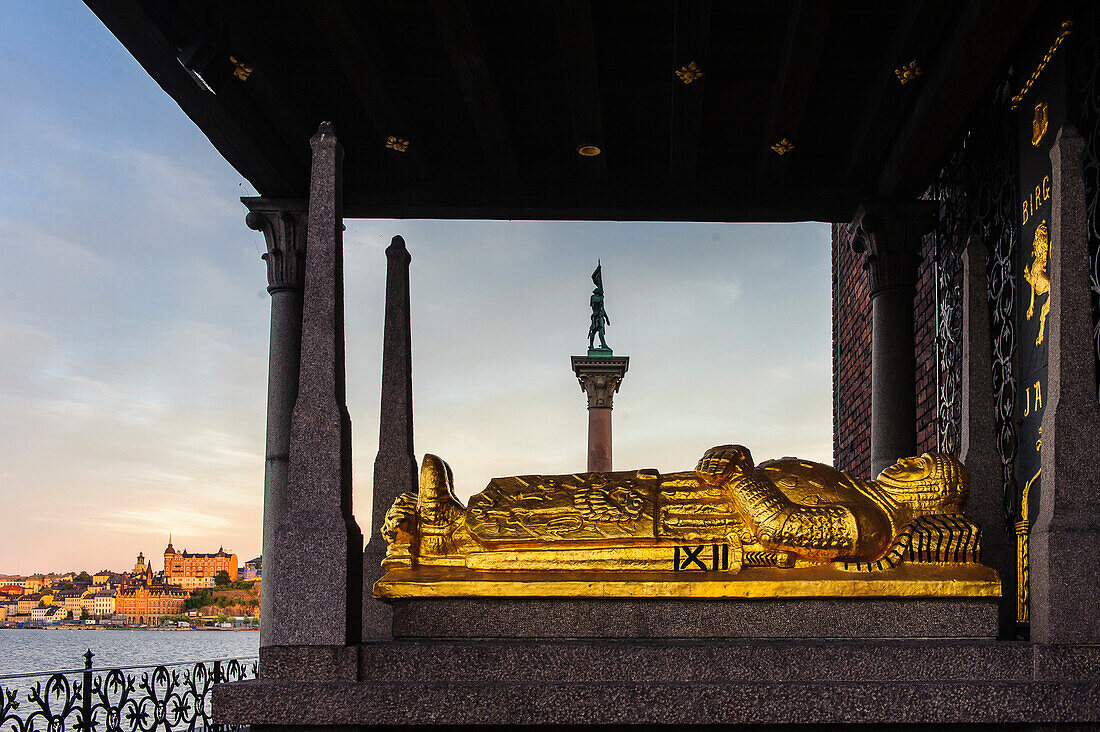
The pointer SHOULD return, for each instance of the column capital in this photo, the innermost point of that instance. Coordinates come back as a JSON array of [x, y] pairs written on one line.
[[283, 223], [600, 378], [888, 234]]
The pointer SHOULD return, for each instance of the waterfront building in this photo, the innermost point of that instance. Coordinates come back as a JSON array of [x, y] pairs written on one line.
[[103, 603], [51, 614], [195, 571], [144, 597], [146, 603], [56, 614]]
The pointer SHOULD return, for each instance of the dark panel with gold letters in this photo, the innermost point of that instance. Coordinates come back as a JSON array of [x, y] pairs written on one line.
[[1040, 108]]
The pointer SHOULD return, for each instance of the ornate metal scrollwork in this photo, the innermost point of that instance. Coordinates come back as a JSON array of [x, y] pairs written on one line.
[[950, 238], [995, 201], [977, 190], [1085, 111], [172, 697]]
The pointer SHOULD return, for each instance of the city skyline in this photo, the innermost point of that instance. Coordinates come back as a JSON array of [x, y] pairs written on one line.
[[134, 326]]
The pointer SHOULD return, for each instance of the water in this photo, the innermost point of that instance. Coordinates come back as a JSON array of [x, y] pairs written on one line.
[[31, 651]]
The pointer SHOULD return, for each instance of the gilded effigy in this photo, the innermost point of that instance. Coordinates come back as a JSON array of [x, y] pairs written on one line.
[[787, 522]]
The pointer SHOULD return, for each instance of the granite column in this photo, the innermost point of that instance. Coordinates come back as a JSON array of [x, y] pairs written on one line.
[[283, 223], [888, 234], [1065, 561], [600, 377], [395, 466], [317, 577], [977, 434]]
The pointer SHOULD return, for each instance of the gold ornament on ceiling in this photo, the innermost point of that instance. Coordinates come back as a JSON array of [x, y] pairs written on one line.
[[782, 147], [240, 69], [1039, 124], [396, 143], [1067, 28], [908, 72], [689, 73]]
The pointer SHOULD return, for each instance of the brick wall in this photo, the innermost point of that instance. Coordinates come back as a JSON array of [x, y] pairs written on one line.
[[852, 355], [851, 358], [924, 336]]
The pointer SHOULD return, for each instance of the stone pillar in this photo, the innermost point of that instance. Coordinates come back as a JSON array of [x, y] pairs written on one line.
[[1065, 559], [395, 466], [977, 438], [888, 234], [283, 223], [600, 377], [317, 576]]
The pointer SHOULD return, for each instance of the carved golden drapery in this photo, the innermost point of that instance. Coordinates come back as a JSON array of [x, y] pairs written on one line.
[[781, 522]]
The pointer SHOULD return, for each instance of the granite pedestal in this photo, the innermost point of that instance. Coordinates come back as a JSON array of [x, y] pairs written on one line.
[[972, 617], [687, 682]]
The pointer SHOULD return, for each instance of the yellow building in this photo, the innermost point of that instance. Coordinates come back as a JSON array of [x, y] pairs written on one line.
[[106, 577], [71, 601], [27, 603]]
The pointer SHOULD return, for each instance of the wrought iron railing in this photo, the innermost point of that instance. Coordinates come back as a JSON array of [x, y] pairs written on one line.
[[169, 697]]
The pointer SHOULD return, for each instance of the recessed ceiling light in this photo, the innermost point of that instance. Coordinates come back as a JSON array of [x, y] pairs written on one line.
[[588, 151]]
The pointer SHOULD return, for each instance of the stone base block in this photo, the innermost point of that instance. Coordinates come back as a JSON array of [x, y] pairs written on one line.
[[687, 682], [970, 617], [309, 663]]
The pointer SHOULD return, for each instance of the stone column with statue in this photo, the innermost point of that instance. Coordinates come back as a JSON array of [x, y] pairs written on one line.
[[600, 374]]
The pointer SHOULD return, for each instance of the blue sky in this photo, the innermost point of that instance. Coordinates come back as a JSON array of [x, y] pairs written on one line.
[[134, 324]]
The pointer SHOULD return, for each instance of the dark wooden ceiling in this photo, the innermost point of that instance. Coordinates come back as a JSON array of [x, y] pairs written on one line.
[[495, 96]]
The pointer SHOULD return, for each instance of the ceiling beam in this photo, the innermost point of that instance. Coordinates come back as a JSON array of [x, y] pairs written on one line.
[[229, 119], [351, 55], [453, 19], [578, 52], [983, 35], [919, 29], [691, 39], [265, 84], [806, 29], [597, 201]]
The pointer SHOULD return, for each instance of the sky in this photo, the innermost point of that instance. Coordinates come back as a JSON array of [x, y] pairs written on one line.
[[134, 325]]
